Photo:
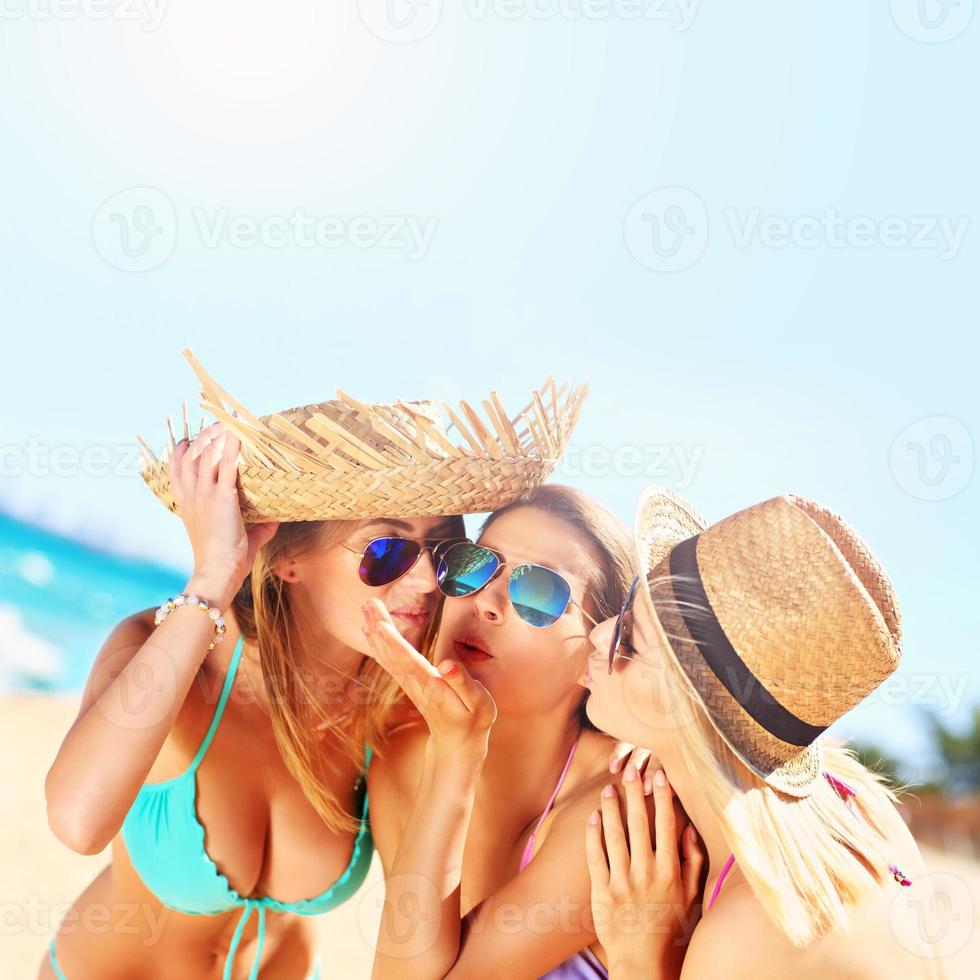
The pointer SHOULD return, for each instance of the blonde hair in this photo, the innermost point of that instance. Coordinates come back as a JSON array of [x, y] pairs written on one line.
[[268, 616], [808, 860]]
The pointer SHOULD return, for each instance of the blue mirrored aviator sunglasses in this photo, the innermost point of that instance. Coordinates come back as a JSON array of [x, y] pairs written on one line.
[[539, 595], [384, 560]]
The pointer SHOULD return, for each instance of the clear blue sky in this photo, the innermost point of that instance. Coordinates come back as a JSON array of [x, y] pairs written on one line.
[[826, 161]]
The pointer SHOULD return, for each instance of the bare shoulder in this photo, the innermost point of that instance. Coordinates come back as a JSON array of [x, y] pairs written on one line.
[[738, 933], [596, 749], [120, 646], [137, 626], [574, 804]]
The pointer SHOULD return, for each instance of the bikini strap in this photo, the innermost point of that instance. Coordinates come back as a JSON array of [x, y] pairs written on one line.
[[529, 847], [844, 791], [721, 878], [222, 701]]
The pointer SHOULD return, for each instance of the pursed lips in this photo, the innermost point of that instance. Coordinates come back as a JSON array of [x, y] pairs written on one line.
[[412, 615], [587, 678], [470, 647]]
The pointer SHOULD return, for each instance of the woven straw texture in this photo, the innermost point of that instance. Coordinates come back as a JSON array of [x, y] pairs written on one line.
[[345, 459], [807, 608], [663, 519]]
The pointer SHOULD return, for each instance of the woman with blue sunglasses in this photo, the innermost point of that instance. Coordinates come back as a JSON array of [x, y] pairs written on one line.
[[477, 813], [222, 742]]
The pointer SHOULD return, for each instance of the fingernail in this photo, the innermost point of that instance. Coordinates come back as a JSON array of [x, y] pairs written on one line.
[[631, 773], [447, 668], [608, 791], [593, 818], [648, 785], [659, 778]]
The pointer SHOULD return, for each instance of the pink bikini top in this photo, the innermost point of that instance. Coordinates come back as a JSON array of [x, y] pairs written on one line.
[[584, 965], [529, 847]]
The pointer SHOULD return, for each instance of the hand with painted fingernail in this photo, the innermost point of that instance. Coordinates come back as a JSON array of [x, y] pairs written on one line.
[[624, 753], [457, 708], [644, 885]]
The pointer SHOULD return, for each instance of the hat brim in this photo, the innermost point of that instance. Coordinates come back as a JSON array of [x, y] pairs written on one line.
[[436, 489], [344, 459]]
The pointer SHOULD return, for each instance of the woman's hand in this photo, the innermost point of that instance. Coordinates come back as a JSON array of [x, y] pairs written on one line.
[[643, 900], [457, 708], [203, 478], [640, 758]]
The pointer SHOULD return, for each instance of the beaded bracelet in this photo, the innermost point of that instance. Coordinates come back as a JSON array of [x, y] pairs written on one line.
[[183, 599]]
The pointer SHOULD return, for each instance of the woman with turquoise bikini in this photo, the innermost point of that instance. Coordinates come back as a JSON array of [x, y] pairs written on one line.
[[223, 741]]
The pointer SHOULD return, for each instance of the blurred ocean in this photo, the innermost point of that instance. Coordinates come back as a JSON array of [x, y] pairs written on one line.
[[59, 598]]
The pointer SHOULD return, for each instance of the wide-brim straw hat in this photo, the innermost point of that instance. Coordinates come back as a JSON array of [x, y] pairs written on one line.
[[346, 459], [779, 616]]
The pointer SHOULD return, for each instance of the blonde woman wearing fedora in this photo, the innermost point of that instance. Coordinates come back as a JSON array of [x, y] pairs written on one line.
[[738, 645], [223, 740], [480, 809]]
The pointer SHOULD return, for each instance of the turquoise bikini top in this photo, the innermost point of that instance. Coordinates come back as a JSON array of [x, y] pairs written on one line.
[[165, 840]]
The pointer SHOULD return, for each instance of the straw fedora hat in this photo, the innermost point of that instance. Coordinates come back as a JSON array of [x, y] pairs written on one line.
[[779, 616], [345, 459]]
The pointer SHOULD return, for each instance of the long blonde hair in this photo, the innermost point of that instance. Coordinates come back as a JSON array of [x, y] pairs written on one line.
[[301, 716], [809, 860]]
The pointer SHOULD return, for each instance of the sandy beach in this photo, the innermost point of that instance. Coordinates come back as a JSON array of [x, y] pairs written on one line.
[[39, 877]]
